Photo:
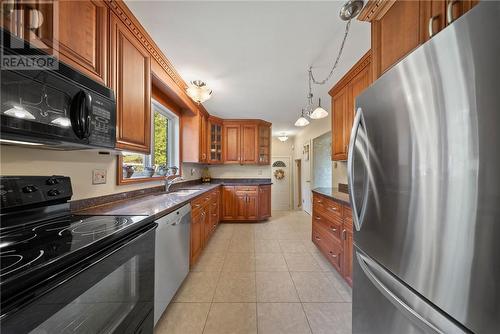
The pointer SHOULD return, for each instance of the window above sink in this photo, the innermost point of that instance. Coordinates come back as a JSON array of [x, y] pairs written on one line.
[[138, 167]]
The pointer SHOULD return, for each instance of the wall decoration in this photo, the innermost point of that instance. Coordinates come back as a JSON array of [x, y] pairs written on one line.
[[279, 163], [305, 152], [279, 174]]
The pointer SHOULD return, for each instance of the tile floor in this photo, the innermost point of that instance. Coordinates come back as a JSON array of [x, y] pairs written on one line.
[[261, 278]]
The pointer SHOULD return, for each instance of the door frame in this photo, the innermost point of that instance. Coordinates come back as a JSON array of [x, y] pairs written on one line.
[[291, 176]]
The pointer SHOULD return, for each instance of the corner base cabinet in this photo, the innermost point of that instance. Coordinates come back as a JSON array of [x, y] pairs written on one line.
[[332, 233]]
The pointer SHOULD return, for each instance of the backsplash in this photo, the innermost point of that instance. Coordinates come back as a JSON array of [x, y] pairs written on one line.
[[76, 164], [240, 171], [339, 173]]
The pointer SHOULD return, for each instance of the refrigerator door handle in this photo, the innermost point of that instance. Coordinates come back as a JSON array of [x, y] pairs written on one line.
[[406, 301], [350, 168]]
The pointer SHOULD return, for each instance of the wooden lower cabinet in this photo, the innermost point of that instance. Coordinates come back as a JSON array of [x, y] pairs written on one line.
[[197, 222], [348, 255], [243, 203], [332, 233], [204, 221], [265, 201]]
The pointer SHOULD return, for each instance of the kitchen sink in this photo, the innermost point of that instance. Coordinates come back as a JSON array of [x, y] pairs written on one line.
[[185, 192]]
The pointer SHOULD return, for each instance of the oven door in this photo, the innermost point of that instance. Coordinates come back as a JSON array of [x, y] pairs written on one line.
[[113, 293]]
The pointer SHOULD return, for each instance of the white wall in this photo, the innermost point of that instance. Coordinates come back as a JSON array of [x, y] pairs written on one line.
[[239, 171], [76, 164]]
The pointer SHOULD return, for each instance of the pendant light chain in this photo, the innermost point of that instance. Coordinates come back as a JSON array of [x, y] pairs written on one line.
[[322, 82]]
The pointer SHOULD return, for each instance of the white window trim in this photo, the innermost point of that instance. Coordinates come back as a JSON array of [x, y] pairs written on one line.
[[173, 133]]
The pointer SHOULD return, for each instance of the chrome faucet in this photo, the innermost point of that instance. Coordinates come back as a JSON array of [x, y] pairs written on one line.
[[169, 179]]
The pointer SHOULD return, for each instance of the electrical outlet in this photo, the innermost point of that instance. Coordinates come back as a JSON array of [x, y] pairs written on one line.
[[99, 176]]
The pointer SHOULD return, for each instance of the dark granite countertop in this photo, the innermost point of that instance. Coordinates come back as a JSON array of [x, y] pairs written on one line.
[[156, 204], [242, 182], [334, 194], [159, 204]]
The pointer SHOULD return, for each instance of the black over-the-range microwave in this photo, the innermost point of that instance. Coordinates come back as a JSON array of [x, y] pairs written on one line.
[[56, 108]]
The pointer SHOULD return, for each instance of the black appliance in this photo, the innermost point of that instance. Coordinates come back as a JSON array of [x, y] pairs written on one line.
[[61, 272], [54, 108]]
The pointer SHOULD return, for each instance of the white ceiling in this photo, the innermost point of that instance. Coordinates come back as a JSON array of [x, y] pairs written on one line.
[[254, 54]]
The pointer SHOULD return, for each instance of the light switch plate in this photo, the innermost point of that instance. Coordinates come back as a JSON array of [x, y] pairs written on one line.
[[99, 176]]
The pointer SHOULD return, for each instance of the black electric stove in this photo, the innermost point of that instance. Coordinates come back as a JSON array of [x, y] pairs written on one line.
[[44, 246]]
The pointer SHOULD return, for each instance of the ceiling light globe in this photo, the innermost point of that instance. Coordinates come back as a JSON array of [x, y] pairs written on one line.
[[302, 121], [319, 113]]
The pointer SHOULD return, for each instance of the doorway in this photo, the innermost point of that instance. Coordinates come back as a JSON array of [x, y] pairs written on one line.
[[298, 185], [281, 194]]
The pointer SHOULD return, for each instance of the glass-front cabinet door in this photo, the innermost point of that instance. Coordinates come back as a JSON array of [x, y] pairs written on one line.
[[215, 142], [264, 144]]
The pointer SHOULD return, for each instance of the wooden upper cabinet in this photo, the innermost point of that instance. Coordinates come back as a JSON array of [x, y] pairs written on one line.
[[400, 26], [249, 144], [264, 140], [339, 108], [131, 81], [395, 35], [75, 31], [214, 140], [344, 95], [194, 130], [83, 36], [203, 155], [246, 142], [231, 143]]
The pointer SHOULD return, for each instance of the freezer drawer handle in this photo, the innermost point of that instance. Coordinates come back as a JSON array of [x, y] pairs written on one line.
[[405, 300]]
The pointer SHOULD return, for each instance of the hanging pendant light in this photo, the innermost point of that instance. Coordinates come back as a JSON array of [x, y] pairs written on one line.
[[302, 121], [198, 91], [319, 112]]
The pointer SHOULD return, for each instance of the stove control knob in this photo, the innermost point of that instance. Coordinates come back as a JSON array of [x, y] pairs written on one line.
[[53, 192], [52, 181], [29, 189]]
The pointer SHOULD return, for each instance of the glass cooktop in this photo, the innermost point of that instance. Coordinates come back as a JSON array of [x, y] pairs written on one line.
[[34, 246]]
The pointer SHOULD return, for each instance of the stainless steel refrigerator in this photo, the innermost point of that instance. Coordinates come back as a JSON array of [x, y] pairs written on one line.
[[424, 176]]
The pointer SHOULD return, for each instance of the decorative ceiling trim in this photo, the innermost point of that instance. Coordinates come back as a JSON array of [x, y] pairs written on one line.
[[127, 17], [358, 67], [375, 10]]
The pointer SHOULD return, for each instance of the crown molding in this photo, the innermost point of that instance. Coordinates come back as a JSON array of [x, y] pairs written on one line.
[[375, 10], [358, 67]]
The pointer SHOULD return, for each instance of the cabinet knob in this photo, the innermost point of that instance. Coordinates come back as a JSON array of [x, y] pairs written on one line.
[[333, 229], [334, 208], [333, 255], [318, 218]]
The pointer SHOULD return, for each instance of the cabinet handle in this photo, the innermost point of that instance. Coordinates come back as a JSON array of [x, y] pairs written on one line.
[[449, 11], [333, 255], [431, 25], [318, 218], [334, 208], [344, 234], [333, 229], [317, 238]]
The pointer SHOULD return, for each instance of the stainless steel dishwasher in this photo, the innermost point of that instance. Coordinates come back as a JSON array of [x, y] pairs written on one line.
[[171, 256]]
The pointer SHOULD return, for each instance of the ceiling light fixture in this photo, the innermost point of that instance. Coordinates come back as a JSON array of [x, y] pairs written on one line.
[[283, 138], [319, 112], [302, 121], [19, 112], [349, 11], [198, 91]]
